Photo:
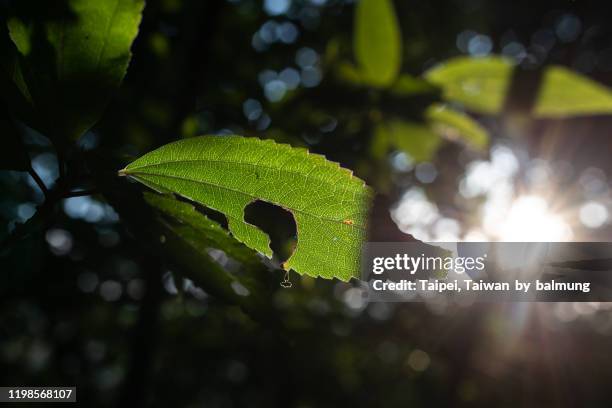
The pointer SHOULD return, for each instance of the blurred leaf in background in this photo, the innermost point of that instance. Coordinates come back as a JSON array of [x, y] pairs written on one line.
[[415, 139], [565, 93], [479, 84], [378, 42], [457, 125]]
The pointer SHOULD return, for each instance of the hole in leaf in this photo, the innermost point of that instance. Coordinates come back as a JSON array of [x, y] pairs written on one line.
[[278, 223]]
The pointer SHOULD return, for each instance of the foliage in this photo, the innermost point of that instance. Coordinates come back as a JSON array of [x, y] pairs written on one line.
[[59, 74], [199, 229], [564, 93], [62, 73], [447, 120], [378, 51], [478, 84], [227, 173], [378, 43], [417, 139], [194, 73], [188, 237], [482, 85]]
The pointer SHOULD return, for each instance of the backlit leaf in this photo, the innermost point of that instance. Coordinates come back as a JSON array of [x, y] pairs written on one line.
[[409, 85], [226, 173], [480, 84], [416, 139], [566, 93], [456, 125], [377, 41]]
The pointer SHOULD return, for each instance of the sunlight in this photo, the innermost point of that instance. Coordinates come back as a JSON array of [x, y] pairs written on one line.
[[529, 219]]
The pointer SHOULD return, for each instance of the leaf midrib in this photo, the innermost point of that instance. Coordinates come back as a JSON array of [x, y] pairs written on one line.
[[255, 165], [134, 174]]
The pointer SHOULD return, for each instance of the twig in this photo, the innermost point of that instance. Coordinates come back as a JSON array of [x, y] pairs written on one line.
[[80, 193], [38, 181], [38, 221]]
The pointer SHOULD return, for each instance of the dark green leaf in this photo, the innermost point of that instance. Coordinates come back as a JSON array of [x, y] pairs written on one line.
[[13, 90], [67, 68], [187, 236], [199, 230]]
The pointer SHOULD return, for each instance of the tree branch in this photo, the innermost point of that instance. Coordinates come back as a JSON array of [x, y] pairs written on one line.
[[80, 193], [38, 181], [39, 220]]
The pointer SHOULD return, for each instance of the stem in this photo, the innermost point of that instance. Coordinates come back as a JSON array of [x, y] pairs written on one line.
[[39, 220], [80, 193], [38, 181]]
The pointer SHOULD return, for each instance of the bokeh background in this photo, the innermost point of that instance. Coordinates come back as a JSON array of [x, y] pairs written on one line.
[[83, 304]]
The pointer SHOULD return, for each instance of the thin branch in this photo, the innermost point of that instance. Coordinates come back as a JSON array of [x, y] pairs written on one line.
[[39, 181], [80, 193], [38, 221]]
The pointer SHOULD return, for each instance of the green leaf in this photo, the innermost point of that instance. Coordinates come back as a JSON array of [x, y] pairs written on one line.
[[409, 85], [456, 125], [347, 72], [377, 41], [67, 68], [416, 139], [566, 93], [13, 90], [199, 230], [13, 155], [187, 236], [226, 173], [480, 84]]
